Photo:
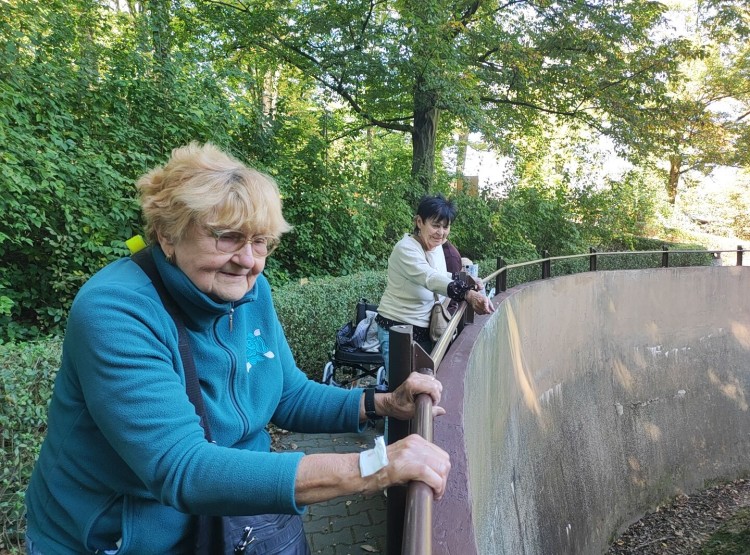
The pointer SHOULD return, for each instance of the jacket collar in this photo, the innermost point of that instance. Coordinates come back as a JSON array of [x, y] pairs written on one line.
[[200, 309]]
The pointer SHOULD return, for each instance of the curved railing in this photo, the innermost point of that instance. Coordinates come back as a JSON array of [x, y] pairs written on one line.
[[409, 508]]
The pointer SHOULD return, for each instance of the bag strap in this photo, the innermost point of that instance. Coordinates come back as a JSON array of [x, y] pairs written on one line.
[[145, 260]]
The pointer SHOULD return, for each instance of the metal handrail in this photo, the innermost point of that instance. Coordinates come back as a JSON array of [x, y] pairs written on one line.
[[417, 523], [417, 537], [419, 494], [596, 254]]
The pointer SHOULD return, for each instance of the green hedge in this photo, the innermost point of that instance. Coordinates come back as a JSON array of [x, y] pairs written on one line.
[[27, 371]]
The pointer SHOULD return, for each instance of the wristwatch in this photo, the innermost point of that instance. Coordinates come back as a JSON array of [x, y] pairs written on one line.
[[370, 404]]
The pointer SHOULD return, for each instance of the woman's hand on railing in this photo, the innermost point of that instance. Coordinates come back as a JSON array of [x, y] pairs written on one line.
[[415, 458], [478, 283], [480, 303], [401, 403]]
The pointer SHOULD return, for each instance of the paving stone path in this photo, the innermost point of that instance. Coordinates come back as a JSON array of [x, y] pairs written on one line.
[[352, 525]]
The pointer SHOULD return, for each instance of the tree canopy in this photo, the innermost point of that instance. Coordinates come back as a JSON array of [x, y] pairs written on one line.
[[496, 67]]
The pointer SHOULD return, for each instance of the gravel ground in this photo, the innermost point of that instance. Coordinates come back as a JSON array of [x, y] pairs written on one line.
[[689, 525]]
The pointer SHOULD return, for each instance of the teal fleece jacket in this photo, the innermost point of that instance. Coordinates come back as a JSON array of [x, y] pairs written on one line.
[[125, 460]]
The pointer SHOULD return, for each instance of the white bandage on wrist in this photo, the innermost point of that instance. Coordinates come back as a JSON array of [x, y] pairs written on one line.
[[372, 460]]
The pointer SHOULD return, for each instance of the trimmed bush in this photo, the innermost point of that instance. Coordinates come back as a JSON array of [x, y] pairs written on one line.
[[27, 372]]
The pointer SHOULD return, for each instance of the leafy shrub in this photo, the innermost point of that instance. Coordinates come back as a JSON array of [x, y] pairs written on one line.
[[472, 232], [541, 218], [617, 211], [27, 372]]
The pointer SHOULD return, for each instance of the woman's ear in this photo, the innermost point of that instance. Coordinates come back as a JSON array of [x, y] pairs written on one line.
[[167, 245]]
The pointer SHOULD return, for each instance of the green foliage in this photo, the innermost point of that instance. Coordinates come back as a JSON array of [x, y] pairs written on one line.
[[399, 66], [616, 211], [91, 97], [474, 230], [80, 120], [542, 217], [27, 372], [740, 222], [329, 208], [312, 313], [62, 199]]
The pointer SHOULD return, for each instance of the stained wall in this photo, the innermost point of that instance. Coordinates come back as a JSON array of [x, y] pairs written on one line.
[[587, 400]]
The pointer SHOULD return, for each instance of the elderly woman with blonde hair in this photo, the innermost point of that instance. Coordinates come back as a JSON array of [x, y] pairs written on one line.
[[127, 464]]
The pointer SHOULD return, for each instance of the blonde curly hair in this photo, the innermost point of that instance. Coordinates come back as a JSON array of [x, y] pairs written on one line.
[[202, 185]]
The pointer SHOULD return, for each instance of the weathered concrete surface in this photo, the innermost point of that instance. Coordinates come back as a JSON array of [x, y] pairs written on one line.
[[586, 400]]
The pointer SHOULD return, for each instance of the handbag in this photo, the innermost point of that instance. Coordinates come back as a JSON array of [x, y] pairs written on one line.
[[223, 535], [440, 318]]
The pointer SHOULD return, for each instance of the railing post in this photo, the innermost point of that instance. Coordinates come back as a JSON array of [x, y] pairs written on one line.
[[592, 259], [739, 255], [665, 256], [399, 367], [418, 509], [468, 317], [546, 265], [501, 281]]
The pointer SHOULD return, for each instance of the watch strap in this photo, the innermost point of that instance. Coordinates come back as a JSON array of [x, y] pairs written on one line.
[[370, 403]]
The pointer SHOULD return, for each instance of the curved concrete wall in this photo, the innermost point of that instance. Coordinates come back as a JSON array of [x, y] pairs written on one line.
[[586, 400]]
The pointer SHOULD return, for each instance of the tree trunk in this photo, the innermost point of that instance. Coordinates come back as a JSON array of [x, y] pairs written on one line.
[[161, 35], [270, 92], [463, 144], [675, 163], [426, 116]]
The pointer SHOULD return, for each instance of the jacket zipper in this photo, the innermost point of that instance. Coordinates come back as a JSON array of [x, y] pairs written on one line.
[[232, 369]]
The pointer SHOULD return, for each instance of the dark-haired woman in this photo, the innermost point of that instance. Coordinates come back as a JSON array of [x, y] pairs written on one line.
[[417, 271]]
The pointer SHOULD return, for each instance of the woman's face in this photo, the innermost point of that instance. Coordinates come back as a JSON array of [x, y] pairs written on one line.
[[433, 233], [223, 277]]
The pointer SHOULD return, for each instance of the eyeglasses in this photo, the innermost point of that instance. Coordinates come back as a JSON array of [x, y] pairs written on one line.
[[230, 242]]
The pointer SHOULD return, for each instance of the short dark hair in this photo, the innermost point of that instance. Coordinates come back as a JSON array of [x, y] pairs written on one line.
[[437, 207]]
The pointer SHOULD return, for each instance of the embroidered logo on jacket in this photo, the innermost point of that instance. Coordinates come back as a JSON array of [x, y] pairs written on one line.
[[257, 350]]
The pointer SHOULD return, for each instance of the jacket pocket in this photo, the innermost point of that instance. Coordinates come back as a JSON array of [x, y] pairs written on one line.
[[138, 526]]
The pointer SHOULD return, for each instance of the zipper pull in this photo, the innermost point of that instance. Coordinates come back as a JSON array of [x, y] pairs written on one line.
[[245, 540], [231, 318]]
